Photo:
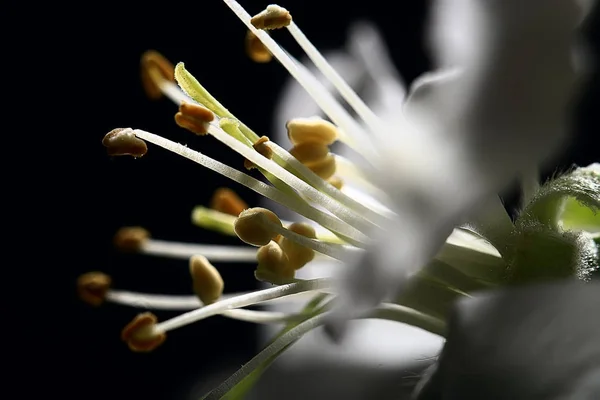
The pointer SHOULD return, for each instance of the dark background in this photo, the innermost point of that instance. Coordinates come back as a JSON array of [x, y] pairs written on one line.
[[90, 52]]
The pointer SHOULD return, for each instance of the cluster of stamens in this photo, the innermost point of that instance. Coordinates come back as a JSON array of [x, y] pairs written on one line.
[[305, 179]]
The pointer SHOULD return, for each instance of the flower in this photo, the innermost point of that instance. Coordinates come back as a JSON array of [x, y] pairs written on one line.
[[428, 169]]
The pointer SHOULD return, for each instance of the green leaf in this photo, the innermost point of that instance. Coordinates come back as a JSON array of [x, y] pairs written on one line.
[[238, 385]]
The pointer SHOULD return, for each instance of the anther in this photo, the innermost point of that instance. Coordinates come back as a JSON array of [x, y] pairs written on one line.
[[123, 142], [92, 287], [261, 148], [273, 17], [194, 118], [273, 262], [131, 238], [250, 228], [227, 201], [139, 333], [155, 68], [304, 130], [207, 281], [297, 254], [310, 152], [324, 168], [256, 50]]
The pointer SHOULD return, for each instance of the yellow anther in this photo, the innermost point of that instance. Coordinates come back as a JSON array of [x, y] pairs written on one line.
[[92, 287], [297, 254], [139, 333], [256, 50], [261, 148], [336, 182], [272, 261], [250, 228], [273, 17], [123, 142], [310, 152], [325, 168], [131, 238], [227, 201], [304, 130], [155, 68], [194, 118], [207, 281]]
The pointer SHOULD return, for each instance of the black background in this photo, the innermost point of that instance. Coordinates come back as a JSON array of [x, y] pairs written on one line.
[[85, 59]]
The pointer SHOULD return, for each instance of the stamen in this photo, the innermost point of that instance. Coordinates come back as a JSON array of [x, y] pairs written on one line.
[[336, 181], [297, 254], [261, 147], [349, 233], [155, 70], [250, 229], [339, 210], [338, 82], [242, 301], [256, 50], [194, 118], [140, 334], [227, 201], [93, 287], [207, 281], [123, 142], [131, 238], [273, 17], [337, 251], [273, 262], [214, 253], [334, 110], [325, 168]]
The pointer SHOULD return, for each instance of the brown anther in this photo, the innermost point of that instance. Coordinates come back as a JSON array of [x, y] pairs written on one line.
[[155, 68], [256, 50], [123, 142], [297, 254], [304, 130], [227, 201], [325, 169], [92, 287], [139, 333], [336, 182], [273, 260], [207, 281], [131, 238], [262, 149], [273, 17], [250, 228], [194, 118], [310, 152]]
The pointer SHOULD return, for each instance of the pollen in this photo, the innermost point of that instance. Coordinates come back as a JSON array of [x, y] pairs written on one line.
[[256, 50], [311, 130], [297, 254], [123, 142], [336, 182], [154, 69], [131, 238], [194, 118], [92, 287], [207, 281], [250, 228], [227, 201], [273, 17], [273, 262], [261, 147], [139, 333]]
